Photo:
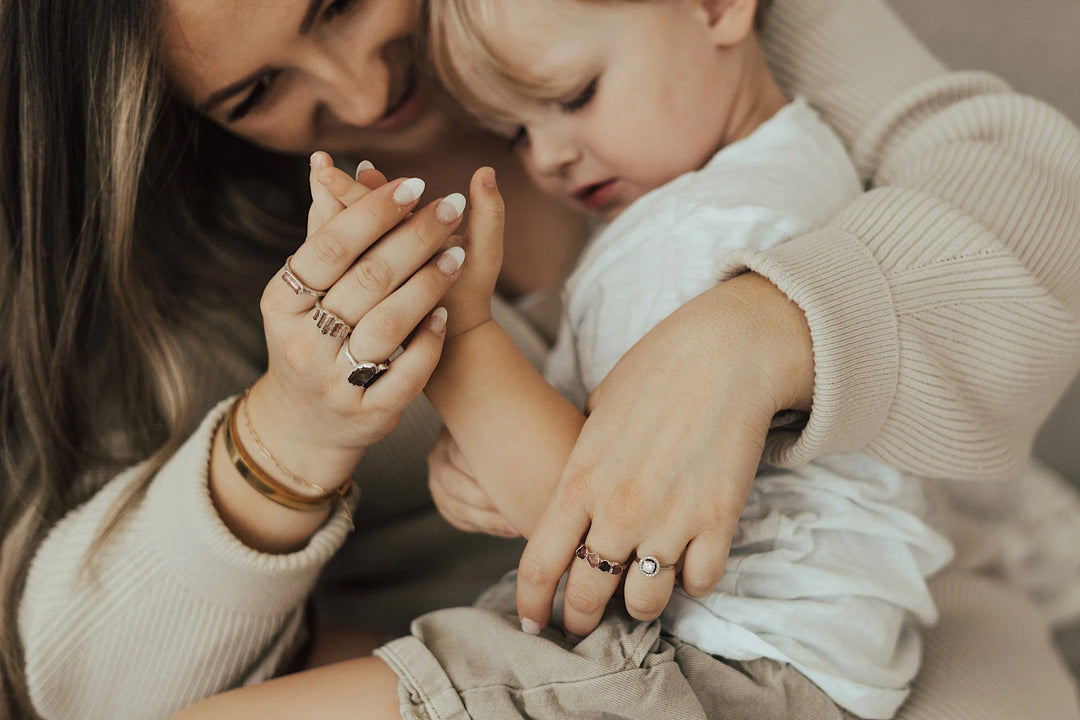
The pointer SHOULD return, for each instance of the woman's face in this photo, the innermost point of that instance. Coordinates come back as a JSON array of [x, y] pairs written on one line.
[[301, 75]]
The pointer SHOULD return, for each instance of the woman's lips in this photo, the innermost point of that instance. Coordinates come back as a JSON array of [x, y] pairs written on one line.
[[405, 109], [596, 196]]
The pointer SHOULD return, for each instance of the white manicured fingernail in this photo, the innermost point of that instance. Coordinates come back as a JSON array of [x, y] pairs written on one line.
[[530, 627], [364, 165], [437, 323], [450, 208], [451, 260], [408, 191]]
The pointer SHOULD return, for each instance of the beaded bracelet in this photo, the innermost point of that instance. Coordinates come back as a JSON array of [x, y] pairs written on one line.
[[264, 483]]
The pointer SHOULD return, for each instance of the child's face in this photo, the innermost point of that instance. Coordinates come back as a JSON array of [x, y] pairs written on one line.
[[640, 93]]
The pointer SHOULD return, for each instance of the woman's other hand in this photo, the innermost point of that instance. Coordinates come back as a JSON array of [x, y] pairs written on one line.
[[668, 455], [457, 495]]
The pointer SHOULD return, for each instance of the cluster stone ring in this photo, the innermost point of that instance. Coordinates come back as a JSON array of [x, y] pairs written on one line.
[[329, 323], [650, 566], [363, 374], [601, 564], [297, 285]]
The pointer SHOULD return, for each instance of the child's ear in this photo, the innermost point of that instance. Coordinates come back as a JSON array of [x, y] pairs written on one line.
[[730, 21]]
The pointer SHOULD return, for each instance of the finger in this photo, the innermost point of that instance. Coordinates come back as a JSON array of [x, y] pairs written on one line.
[[646, 596], [704, 562], [366, 174], [468, 517], [484, 235], [549, 553], [386, 326], [395, 258], [333, 248], [410, 371], [342, 186], [591, 582], [463, 489], [323, 203]]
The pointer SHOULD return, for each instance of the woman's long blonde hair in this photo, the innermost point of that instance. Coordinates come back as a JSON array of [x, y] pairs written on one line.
[[123, 218]]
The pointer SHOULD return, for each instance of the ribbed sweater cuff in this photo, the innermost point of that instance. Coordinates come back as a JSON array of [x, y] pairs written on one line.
[[839, 286], [186, 531]]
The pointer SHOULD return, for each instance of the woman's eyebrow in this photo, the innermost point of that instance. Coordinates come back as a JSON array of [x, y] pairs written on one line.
[[220, 96]]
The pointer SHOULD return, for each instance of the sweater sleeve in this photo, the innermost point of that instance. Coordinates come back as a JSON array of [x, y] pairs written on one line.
[[171, 610], [944, 303]]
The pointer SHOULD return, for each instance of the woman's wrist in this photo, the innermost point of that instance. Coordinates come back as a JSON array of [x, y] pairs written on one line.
[[776, 334]]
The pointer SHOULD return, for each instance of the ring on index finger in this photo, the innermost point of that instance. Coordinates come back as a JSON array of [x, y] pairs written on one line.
[[297, 285]]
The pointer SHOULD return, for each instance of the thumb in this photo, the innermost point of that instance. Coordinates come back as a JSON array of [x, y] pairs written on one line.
[[486, 218]]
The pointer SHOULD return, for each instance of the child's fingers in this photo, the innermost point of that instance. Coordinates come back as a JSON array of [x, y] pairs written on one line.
[[366, 174], [323, 203], [347, 190], [485, 232]]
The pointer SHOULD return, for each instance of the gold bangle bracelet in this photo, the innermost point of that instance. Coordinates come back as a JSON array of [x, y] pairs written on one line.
[[267, 486]]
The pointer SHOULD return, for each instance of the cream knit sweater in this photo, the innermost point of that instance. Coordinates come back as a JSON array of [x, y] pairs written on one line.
[[945, 312]]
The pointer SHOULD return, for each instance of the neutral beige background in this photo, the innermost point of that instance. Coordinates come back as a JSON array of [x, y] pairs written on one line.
[[1035, 45]]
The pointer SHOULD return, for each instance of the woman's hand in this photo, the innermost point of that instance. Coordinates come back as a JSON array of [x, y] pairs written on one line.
[[383, 264], [668, 455], [457, 495]]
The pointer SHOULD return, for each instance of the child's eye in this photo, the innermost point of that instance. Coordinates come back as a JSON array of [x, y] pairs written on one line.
[[582, 98], [338, 7], [521, 137]]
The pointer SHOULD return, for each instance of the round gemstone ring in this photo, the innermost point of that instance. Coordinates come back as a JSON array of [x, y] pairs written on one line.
[[650, 566]]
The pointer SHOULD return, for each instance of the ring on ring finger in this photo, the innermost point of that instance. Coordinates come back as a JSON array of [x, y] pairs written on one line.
[[329, 323], [602, 564], [364, 374]]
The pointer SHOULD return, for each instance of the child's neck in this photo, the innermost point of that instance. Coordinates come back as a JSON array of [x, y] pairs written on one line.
[[757, 99]]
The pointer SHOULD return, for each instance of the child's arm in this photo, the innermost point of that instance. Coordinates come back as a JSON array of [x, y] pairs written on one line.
[[514, 429]]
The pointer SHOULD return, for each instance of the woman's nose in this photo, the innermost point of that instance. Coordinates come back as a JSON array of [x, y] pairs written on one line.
[[552, 151], [355, 94]]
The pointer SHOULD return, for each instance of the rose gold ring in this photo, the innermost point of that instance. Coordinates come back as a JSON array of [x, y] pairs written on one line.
[[329, 323], [650, 566], [594, 560], [297, 285]]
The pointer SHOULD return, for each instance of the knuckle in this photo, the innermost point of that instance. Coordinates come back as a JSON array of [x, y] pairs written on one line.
[[532, 572], [373, 274], [645, 608], [329, 246], [584, 599], [385, 325]]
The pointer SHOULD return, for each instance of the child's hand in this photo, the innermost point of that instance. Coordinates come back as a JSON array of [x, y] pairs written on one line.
[[469, 300]]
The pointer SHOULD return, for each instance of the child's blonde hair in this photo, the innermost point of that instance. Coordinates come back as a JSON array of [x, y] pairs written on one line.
[[460, 23]]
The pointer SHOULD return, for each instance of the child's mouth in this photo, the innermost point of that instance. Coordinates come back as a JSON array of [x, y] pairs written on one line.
[[405, 105], [596, 195]]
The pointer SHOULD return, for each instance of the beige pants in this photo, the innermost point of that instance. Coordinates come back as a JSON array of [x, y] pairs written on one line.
[[475, 663]]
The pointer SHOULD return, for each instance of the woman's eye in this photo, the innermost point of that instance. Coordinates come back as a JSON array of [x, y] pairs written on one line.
[[258, 92], [338, 7], [582, 98], [521, 137]]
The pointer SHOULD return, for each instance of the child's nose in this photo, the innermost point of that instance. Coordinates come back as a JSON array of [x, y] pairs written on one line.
[[552, 153]]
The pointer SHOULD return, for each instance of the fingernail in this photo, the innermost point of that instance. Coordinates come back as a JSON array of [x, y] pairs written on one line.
[[364, 165], [437, 322], [489, 179], [530, 627], [408, 191], [319, 159], [451, 260], [450, 208]]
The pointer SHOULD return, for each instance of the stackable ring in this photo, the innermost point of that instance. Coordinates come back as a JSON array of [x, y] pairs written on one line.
[[650, 566], [297, 285], [594, 560], [329, 323], [363, 374]]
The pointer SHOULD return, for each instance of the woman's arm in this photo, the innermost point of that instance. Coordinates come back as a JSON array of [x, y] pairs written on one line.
[[941, 308], [956, 279], [173, 607]]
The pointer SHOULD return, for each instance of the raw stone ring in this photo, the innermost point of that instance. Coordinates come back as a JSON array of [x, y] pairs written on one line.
[[594, 560], [363, 374]]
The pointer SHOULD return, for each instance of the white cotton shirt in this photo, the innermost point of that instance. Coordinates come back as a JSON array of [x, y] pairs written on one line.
[[828, 564]]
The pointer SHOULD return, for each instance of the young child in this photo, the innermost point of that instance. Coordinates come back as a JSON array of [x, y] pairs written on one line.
[[660, 117]]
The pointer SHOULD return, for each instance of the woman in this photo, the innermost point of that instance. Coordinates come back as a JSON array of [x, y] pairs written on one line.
[[134, 226]]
